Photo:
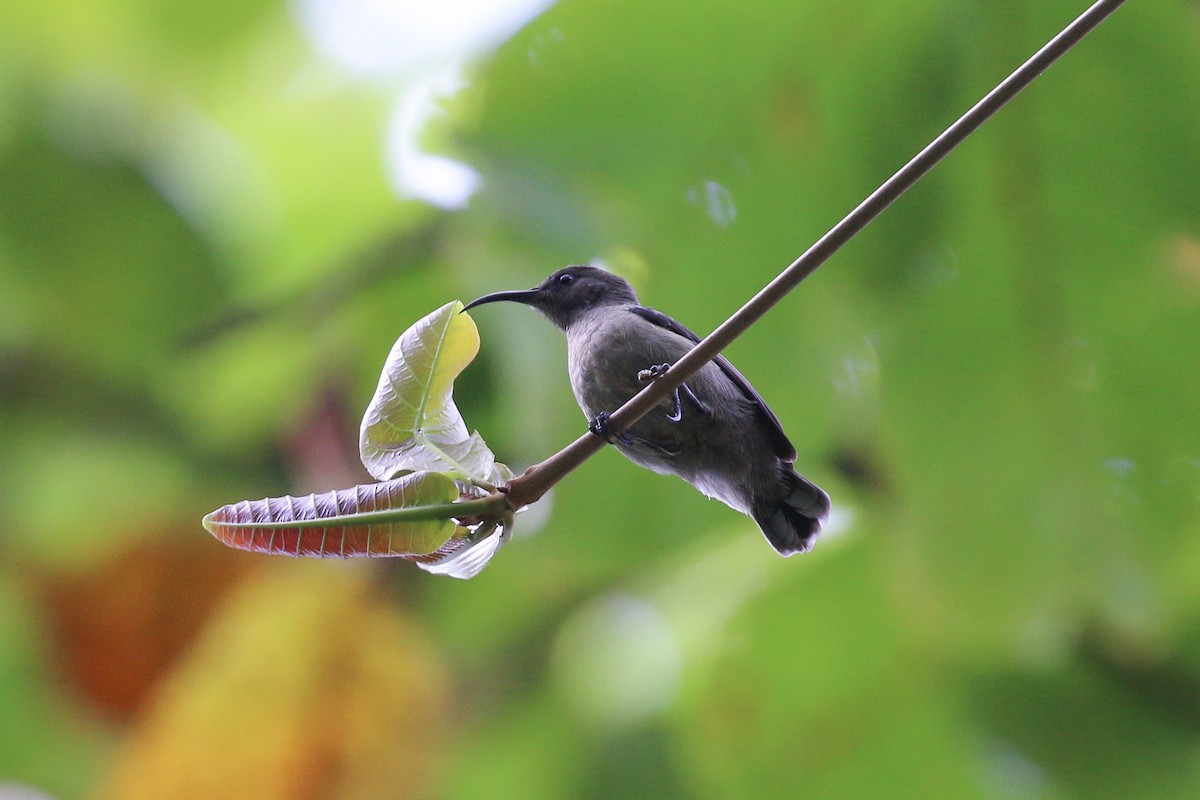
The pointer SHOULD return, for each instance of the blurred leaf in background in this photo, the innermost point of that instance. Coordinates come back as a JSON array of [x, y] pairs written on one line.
[[215, 220], [335, 693]]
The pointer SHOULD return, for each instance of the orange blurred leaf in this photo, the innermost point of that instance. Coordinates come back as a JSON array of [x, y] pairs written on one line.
[[118, 624], [309, 685]]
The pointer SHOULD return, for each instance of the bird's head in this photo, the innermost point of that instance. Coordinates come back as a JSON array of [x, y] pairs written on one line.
[[568, 294]]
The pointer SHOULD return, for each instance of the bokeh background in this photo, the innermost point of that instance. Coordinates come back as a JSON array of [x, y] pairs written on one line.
[[216, 217]]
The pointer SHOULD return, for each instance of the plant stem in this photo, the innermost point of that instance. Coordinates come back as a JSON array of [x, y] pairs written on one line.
[[530, 486]]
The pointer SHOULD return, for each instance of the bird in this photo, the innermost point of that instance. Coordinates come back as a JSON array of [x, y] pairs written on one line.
[[715, 431]]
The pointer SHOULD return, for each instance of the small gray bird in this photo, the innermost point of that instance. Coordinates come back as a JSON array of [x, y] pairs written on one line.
[[715, 432]]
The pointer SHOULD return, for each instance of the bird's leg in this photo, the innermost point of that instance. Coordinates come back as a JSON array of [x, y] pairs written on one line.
[[676, 414], [700, 405], [601, 427]]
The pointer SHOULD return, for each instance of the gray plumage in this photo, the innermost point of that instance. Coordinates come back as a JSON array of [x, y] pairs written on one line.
[[716, 432]]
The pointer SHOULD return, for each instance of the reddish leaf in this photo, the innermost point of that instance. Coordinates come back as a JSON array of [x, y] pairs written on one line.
[[409, 516]]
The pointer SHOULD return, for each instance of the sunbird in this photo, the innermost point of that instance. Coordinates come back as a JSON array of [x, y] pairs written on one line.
[[715, 431]]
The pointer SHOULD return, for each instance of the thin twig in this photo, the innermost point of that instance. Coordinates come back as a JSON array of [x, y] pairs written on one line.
[[534, 483]]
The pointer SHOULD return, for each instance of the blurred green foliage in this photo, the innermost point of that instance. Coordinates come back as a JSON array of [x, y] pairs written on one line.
[[203, 265]]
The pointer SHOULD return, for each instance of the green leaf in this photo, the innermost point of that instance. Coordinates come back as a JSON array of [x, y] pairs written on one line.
[[410, 516], [412, 422]]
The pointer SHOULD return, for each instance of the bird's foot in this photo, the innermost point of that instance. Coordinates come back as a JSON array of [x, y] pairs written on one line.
[[601, 426], [653, 373], [676, 413]]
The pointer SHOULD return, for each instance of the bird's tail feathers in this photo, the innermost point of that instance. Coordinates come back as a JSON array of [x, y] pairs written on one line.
[[791, 520]]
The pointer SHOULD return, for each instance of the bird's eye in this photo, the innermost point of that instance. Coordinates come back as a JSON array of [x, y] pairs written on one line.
[[566, 279]]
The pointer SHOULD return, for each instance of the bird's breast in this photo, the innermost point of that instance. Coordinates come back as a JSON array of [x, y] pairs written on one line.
[[605, 352]]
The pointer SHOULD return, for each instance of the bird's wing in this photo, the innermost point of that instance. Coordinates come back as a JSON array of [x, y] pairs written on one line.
[[782, 445]]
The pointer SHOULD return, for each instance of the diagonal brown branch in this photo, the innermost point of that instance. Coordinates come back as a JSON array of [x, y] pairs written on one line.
[[530, 486]]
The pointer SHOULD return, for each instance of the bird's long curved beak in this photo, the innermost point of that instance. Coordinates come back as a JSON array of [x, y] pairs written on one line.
[[527, 296]]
